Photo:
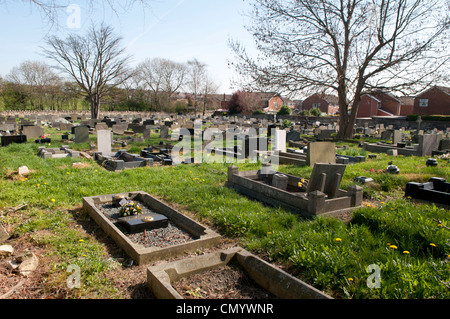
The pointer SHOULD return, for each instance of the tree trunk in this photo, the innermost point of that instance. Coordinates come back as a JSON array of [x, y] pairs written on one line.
[[95, 107]]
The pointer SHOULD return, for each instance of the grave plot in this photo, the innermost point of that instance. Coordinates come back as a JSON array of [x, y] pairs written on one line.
[[158, 155], [436, 190], [316, 152], [321, 196], [267, 281], [11, 139], [156, 233], [121, 160], [61, 152]]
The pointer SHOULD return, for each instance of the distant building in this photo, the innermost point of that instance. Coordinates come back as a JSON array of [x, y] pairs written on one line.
[[328, 104], [380, 103], [434, 101]]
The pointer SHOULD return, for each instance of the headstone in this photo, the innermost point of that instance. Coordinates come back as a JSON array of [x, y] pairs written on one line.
[[326, 178], [164, 132], [428, 143], [321, 152], [81, 134], [33, 131], [104, 141], [280, 141], [10, 139], [397, 137]]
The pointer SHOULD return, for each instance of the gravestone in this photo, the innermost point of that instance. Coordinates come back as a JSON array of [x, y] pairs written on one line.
[[386, 135], [104, 141], [164, 132], [147, 132], [321, 152], [280, 141], [326, 178], [10, 139], [33, 131], [396, 137], [119, 128], [81, 134], [428, 143]]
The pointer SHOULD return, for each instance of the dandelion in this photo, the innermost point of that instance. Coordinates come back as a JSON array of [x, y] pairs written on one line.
[[406, 252], [37, 185], [440, 225], [393, 247], [338, 239], [350, 279], [433, 245], [382, 202], [53, 200], [269, 233], [81, 241]]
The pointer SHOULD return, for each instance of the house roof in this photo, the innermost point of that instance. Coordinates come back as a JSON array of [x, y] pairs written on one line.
[[444, 89]]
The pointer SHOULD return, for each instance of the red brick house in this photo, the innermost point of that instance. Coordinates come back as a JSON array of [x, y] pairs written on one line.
[[434, 101], [380, 103], [328, 104]]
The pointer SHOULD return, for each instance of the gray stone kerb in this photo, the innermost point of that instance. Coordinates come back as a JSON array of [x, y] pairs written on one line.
[[269, 277], [143, 255]]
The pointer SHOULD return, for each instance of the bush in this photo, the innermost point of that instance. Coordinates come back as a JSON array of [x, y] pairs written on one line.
[[284, 110]]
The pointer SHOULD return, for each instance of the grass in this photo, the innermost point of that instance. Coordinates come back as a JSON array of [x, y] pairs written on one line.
[[409, 243]]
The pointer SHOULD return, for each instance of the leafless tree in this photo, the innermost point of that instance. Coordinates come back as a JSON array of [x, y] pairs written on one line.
[[96, 62], [196, 77], [51, 9], [208, 88], [162, 77], [346, 47], [36, 78]]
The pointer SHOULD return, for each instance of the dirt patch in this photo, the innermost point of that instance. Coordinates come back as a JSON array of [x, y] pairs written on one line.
[[226, 282]]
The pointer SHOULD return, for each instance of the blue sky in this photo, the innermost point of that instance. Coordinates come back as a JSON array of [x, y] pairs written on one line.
[[179, 30]]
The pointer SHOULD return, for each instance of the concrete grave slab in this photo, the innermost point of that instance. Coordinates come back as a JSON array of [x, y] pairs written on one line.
[[274, 280], [203, 237]]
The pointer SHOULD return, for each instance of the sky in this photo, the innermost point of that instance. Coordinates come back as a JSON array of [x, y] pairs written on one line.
[[179, 30]]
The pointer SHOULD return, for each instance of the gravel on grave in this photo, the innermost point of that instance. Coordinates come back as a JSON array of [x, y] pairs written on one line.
[[225, 282], [161, 237]]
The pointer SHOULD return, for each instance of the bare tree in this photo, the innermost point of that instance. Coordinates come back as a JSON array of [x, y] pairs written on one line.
[[51, 9], [346, 47], [96, 62], [208, 88], [196, 77], [162, 77], [36, 79]]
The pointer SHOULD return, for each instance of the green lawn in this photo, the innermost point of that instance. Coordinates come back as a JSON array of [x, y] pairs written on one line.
[[407, 243]]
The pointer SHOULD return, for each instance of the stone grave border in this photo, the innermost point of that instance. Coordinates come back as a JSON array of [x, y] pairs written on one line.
[[141, 255], [307, 204], [269, 277]]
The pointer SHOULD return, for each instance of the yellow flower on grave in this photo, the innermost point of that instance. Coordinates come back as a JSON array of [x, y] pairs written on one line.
[[433, 245]]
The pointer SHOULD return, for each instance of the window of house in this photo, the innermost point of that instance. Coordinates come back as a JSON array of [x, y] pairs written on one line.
[[423, 102]]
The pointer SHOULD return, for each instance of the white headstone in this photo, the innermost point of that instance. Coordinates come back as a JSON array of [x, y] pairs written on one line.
[[104, 141], [280, 141]]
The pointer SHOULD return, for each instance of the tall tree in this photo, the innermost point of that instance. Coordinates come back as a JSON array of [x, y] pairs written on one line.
[[162, 77], [196, 78], [36, 79], [346, 47], [96, 62]]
